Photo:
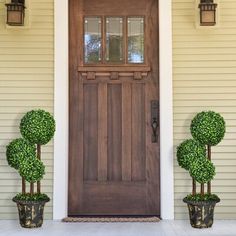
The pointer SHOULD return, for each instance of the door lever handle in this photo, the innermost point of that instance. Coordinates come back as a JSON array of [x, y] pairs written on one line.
[[154, 120], [154, 130]]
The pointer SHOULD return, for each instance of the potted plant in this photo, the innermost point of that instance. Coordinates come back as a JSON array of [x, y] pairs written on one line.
[[37, 128], [207, 129]]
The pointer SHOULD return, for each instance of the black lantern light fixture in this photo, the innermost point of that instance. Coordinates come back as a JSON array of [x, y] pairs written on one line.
[[207, 12], [16, 12]]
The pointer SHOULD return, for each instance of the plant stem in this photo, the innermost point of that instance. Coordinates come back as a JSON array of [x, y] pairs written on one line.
[[209, 158], [202, 189], [39, 157], [23, 186], [194, 187], [31, 189]]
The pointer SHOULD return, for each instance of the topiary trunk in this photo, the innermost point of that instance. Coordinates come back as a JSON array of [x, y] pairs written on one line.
[[31, 188], [194, 191], [209, 158], [23, 186], [39, 157], [202, 189]]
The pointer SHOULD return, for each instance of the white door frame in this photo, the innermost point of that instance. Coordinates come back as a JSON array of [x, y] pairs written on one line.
[[61, 110]]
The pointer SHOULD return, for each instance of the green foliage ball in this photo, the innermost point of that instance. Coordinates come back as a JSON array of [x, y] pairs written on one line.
[[208, 127], [38, 126], [188, 151], [18, 150], [32, 169], [202, 170]]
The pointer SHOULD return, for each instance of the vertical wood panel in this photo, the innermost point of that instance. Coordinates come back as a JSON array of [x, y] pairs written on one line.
[[126, 131], [90, 132], [75, 198], [152, 165], [138, 132], [151, 93], [114, 132], [102, 132]]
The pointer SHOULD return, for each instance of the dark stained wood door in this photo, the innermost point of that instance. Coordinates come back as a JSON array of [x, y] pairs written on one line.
[[113, 157]]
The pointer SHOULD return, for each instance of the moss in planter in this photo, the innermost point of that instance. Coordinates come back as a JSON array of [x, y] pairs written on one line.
[[203, 198], [35, 197]]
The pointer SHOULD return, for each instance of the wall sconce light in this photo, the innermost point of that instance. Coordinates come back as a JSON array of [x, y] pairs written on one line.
[[16, 12], [207, 12]]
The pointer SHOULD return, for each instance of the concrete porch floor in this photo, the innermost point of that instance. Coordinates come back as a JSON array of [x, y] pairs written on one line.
[[163, 228]]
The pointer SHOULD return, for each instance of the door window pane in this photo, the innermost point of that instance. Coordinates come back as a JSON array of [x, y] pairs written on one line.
[[92, 39], [136, 40], [114, 39]]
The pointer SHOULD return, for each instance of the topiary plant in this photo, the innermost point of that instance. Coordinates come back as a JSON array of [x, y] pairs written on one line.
[[202, 170], [208, 127], [38, 126], [188, 151], [32, 169], [18, 150]]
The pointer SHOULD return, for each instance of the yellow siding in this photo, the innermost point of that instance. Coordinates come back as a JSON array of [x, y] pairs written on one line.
[[205, 79], [26, 82]]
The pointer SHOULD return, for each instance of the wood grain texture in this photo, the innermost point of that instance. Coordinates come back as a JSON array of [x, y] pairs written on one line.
[[102, 132], [152, 93], [75, 113], [120, 164], [126, 131], [90, 131], [114, 133], [138, 133], [114, 198]]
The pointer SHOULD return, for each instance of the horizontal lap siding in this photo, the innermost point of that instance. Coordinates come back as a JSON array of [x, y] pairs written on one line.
[[205, 79], [26, 82]]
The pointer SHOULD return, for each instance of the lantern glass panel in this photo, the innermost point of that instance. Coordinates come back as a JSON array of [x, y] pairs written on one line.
[[208, 17], [14, 17]]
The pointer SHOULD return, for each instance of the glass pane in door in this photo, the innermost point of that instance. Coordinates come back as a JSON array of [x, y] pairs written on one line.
[[92, 40], [114, 39], [135, 40]]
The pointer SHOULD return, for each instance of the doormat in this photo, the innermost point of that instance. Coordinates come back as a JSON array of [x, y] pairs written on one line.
[[153, 219]]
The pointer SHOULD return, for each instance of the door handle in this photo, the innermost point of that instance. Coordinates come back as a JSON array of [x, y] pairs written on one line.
[[154, 120]]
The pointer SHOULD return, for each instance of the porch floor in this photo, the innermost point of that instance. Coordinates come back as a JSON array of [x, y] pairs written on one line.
[[163, 228]]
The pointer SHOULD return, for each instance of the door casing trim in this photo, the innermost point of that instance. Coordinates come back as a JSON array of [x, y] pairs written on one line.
[[61, 109]]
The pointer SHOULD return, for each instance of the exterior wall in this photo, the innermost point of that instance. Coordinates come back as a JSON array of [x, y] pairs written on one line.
[[204, 64], [26, 82]]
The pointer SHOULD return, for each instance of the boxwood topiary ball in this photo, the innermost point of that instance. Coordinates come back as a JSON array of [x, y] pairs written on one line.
[[17, 150], [188, 151], [32, 169], [202, 170], [38, 126], [208, 127]]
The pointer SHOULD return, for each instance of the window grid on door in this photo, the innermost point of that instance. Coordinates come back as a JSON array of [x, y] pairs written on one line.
[[114, 40]]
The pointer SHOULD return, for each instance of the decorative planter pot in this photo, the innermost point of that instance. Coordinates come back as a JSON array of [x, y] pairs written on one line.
[[30, 213], [201, 214]]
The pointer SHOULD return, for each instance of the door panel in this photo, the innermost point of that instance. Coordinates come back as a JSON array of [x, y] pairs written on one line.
[[114, 164]]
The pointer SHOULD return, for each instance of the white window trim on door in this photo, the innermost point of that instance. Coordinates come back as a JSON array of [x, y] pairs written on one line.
[[61, 110]]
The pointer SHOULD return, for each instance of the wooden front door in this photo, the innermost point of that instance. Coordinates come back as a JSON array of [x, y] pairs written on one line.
[[114, 114]]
